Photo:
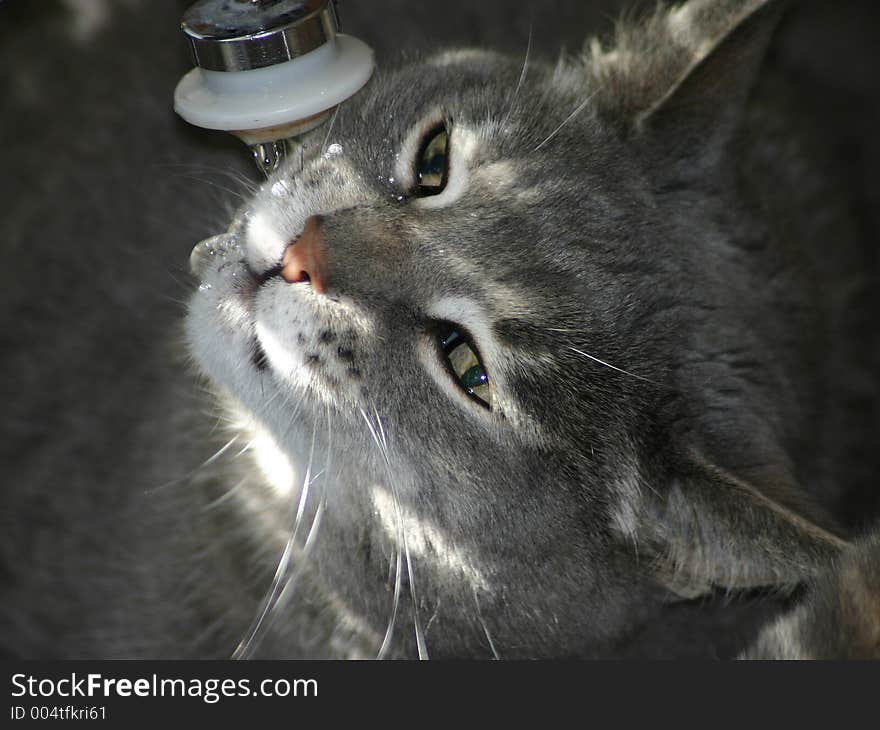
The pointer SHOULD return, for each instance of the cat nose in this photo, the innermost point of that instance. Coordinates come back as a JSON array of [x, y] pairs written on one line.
[[304, 259]]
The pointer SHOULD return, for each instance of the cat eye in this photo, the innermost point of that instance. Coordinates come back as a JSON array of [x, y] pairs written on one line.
[[432, 163], [463, 362]]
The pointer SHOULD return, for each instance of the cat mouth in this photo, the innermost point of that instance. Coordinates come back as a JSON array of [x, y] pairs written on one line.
[[268, 275], [259, 358], [243, 286]]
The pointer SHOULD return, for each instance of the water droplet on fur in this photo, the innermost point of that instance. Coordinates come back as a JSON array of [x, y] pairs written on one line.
[[280, 189], [269, 155], [334, 150], [205, 251]]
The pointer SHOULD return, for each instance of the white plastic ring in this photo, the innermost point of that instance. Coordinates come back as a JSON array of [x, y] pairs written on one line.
[[277, 95]]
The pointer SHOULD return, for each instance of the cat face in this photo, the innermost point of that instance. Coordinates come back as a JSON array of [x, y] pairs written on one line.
[[484, 259], [442, 316]]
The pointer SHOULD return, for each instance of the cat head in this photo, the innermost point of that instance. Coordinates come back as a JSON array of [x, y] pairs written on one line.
[[461, 315]]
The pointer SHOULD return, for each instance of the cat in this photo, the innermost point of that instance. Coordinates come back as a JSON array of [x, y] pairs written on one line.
[[509, 359], [533, 350]]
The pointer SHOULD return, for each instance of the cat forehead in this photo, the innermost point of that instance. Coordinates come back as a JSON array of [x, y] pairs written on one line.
[[470, 81]]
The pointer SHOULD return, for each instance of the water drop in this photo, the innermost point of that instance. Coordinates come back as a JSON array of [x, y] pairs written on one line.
[[269, 155], [206, 251], [280, 189]]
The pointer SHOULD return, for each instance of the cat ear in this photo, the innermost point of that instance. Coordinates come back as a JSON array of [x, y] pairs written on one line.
[[711, 529], [680, 83]]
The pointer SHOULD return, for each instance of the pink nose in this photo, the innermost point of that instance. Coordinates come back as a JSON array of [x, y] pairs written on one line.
[[304, 259]]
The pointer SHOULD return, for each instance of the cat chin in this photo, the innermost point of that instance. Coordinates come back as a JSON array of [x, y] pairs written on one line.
[[312, 342]]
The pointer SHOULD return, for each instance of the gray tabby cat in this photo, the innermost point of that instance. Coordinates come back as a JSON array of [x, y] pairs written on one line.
[[526, 352], [510, 359]]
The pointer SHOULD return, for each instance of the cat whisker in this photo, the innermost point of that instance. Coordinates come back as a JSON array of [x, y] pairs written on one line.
[[244, 449], [174, 273], [181, 303], [277, 394], [244, 196], [420, 636], [307, 548], [392, 618], [613, 367], [222, 450], [311, 537], [522, 75], [329, 129], [578, 109], [433, 617], [484, 626], [183, 169], [280, 393], [225, 496], [247, 644], [190, 474]]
